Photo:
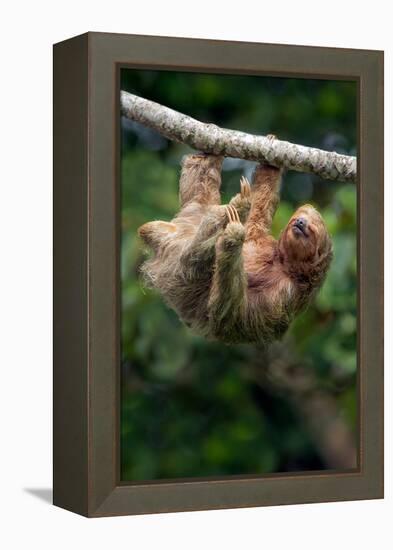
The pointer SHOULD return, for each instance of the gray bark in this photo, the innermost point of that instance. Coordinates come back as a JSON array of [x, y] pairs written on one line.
[[232, 143]]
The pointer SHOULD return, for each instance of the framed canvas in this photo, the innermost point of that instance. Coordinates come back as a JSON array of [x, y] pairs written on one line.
[[209, 353]]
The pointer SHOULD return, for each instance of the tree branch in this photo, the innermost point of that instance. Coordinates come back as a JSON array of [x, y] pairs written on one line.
[[231, 143]]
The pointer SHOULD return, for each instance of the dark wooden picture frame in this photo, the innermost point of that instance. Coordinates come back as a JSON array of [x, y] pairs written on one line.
[[86, 273]]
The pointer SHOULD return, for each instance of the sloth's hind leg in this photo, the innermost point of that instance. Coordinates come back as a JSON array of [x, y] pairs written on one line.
[[200, 180]]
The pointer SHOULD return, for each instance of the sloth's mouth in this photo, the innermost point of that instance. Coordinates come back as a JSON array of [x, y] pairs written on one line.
[[299, 229]]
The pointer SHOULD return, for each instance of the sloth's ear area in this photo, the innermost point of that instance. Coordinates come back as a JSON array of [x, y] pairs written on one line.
[[325, 243]]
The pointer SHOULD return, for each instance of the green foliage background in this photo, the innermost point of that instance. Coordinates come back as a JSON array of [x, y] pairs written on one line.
[[190, 407]]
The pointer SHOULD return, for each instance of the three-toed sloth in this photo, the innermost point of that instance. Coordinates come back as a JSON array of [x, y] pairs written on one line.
[[218, 266]]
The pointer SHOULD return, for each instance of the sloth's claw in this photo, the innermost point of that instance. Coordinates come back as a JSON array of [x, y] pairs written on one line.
[[232, 214], [245, 188]]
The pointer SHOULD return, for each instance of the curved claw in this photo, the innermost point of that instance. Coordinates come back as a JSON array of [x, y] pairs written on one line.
[[232, 214], [245, 188]]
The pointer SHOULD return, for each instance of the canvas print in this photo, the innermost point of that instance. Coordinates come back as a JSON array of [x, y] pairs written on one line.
[[238, 275]]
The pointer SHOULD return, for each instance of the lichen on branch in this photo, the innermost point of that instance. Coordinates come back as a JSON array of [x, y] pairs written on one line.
[[210, 138]]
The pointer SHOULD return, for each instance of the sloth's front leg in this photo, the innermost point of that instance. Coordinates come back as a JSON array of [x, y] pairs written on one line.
[[228, 294]]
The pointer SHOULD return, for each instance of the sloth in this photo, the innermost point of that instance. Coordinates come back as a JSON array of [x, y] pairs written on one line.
[[219, 267]]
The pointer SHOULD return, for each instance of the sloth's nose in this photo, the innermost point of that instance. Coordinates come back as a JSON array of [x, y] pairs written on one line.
[[301, 222]]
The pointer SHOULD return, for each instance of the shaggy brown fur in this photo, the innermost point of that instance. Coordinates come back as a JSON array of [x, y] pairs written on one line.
[[220, 269]]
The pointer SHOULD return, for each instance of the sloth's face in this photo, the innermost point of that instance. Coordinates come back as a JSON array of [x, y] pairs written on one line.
[[305, 238]]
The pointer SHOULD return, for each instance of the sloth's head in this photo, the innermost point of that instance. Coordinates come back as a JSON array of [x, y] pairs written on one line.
[[305, 244]]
